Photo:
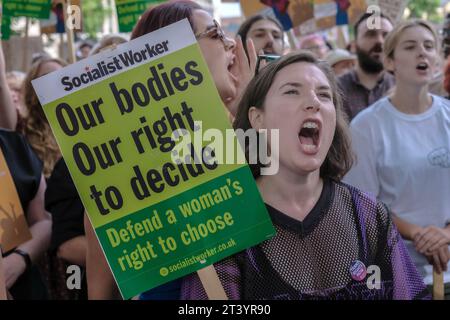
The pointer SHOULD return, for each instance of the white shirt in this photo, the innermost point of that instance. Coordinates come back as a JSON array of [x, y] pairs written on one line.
[[405, 161]]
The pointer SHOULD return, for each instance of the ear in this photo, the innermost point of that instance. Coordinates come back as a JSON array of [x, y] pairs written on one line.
[[256, 118]]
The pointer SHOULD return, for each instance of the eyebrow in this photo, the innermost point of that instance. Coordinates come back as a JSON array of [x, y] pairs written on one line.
[[415, 41], [299, 85], [292, 84], [265, 29]]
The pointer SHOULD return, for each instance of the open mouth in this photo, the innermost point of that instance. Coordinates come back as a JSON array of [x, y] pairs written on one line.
[[309, 135], [422, 66]]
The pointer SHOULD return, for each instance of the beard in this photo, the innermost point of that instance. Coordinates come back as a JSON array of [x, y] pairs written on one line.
[[367, 62]]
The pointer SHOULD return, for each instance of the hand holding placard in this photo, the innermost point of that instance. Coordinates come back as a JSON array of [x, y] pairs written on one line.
[[157, 219]]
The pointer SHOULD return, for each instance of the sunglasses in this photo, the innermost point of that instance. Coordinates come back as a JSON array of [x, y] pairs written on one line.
[[265, 57], [216, 32]]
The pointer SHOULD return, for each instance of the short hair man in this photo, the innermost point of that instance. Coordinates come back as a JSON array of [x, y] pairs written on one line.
[[368, 82]]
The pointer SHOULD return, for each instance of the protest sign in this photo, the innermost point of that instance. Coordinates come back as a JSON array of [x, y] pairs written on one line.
[[13, 225], [39, 9], [312, 16], [113, 116], [307, 16], [6, 28], [129, 11], [252, 7], [393, 9]]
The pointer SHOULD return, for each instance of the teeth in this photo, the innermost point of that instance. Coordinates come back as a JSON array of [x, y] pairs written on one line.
[[310, 125]]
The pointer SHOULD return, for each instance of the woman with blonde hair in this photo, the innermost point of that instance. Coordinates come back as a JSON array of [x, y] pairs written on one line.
[[34, 125], [402, 144]]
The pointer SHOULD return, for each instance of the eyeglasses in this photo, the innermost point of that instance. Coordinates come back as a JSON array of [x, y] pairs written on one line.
[[266, 57], [216, 32]]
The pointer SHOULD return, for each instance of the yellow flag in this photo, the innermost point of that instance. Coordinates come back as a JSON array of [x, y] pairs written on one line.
[[13, 225]]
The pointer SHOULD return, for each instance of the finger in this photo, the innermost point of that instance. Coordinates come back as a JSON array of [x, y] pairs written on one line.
[[438, 240], [419, 235], [240, 53], [252, 57], [429, 243], [437, 245], [424, 238]]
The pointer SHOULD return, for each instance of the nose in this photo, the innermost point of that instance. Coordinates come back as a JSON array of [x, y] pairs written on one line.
[[270, 37], [380, 37], [312, 104], [422, 51]]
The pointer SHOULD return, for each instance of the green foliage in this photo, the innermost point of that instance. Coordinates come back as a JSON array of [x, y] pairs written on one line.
[[94, 14], [419, 7]]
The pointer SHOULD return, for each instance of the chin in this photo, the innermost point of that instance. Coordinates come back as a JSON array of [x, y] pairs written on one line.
[[308, 167]]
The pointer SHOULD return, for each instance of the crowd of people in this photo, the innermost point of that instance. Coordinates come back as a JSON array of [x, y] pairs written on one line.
[[364, 164]]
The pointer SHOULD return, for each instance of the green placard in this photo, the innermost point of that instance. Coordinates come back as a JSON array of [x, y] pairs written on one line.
[[6, 28], [113, 115], [39, 9], [129, 11]]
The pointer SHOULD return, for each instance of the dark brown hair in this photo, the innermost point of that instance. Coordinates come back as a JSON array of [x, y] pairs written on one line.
[[339, 158], [247, 24], [164, 14], [447, 76]]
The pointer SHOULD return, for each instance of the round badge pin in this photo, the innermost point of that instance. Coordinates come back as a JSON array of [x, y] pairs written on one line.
[[358, 270]]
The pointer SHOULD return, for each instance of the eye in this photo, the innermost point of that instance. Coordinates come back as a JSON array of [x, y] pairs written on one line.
[[409, 48], [429, 46], [259, 35], [292, 91], [325, 95], [214, 34]]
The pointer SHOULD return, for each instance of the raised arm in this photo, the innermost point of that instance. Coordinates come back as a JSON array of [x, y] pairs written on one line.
[[40, 224], [8, 113]]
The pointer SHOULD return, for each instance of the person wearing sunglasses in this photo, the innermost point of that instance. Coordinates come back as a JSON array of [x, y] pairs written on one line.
[[231, 71], [225, 57]]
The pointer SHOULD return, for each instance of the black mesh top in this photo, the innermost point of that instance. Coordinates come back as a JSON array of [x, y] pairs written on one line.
[[334, 253]]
